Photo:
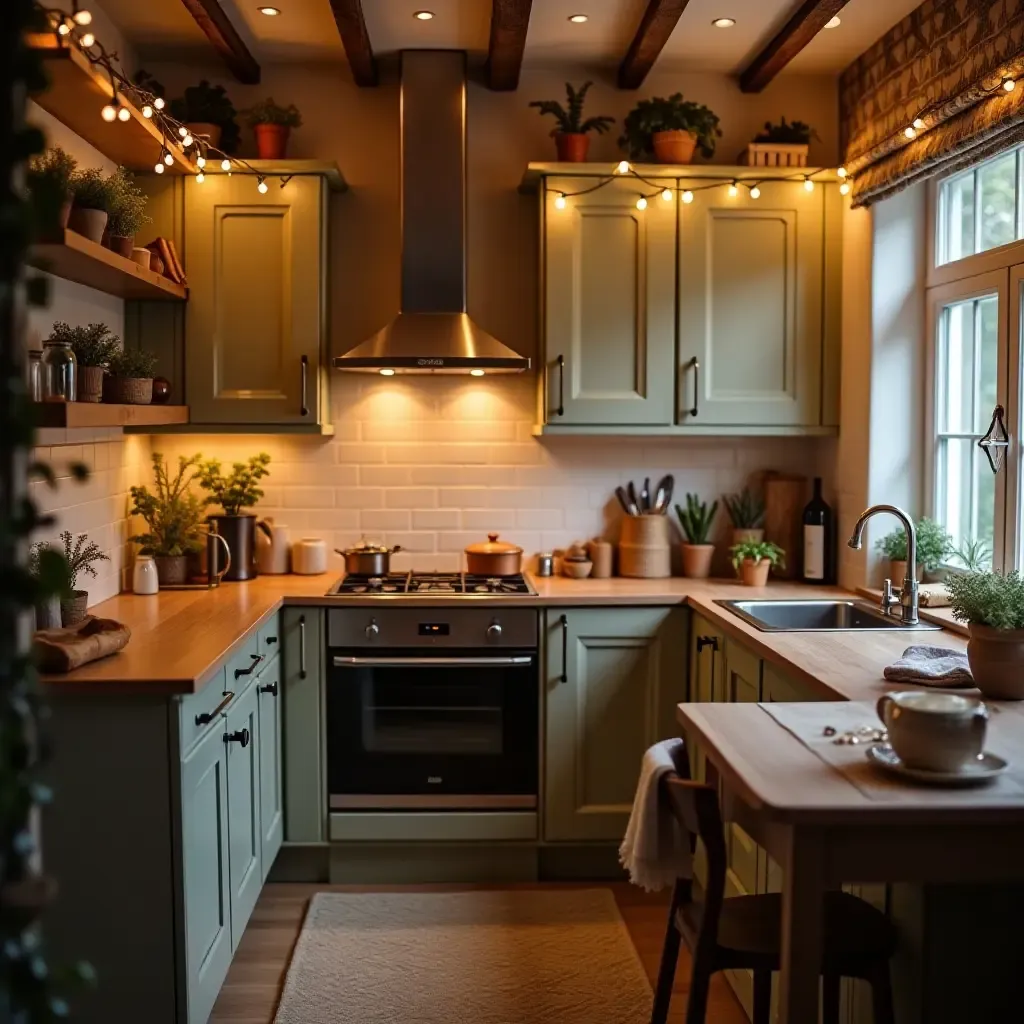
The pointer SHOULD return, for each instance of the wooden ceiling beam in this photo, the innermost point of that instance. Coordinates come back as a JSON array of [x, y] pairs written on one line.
[[210, 17], [655, 27], [348, 16], [808, 20], [510, 20]]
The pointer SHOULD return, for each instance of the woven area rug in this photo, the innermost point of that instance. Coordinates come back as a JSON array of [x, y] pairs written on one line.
[[511, 957]]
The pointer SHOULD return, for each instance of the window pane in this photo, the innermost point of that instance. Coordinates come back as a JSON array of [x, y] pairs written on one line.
[[954, 492], [956, 387], [988, 361], [997, 182], [958, 209]]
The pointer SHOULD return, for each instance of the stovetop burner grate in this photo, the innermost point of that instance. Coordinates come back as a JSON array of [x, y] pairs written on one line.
[[433, 584]]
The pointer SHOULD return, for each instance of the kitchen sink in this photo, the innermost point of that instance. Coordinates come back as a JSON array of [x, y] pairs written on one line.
[[817, 616]]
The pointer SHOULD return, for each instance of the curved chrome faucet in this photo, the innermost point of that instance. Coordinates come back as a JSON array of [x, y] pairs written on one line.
[[908, 591]]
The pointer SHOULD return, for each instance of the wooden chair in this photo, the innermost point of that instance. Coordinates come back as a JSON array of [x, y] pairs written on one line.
[[743, 932]]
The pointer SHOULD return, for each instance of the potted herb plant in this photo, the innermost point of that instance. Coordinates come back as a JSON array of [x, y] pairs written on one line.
[[933, 545], [746, 510], [272, 125], [81, 558], [696, 521], [571, 131], [91, 203], [992, 605], [209, 114], [127, 212], [173, 515], [670, 130], [236, 491], [94, 346], [130, 377], [48, 178], [753, 558]]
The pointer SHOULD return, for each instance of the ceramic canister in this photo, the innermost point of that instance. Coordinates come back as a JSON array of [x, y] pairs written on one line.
[[309, 556], [144, 575]]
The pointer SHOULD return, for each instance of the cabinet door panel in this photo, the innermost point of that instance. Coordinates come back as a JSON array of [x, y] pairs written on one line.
[[271, 786], [610, 302]]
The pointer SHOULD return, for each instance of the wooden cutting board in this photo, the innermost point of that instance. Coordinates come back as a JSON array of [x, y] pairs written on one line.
[[784, 499]]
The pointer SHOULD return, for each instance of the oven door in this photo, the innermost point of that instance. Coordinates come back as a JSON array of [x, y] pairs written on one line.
[[411, 730]]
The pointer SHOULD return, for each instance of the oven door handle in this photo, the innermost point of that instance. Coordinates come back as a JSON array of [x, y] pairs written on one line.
[[350, 662]]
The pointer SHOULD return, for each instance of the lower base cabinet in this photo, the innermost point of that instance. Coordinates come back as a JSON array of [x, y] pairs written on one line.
[[268, 689]]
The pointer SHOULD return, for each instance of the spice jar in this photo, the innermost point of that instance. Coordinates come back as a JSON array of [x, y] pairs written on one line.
[[60, 372], [34, 375]]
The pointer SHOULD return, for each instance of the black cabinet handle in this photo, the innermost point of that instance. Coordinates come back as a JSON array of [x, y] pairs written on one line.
[[208, 716], [707, 641], [305, 370], [695, 363], [256, 659], [560, 411], [241, 736], [564, 678], [270, 688], [302, 647], [271, 639]]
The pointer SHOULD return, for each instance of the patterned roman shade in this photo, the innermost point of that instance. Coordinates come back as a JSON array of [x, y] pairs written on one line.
[[942, 66]]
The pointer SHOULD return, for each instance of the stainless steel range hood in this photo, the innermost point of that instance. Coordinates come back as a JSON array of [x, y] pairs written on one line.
[[433, 333]]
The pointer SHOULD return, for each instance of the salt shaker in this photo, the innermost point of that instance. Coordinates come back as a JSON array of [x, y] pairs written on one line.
[[144, 577]]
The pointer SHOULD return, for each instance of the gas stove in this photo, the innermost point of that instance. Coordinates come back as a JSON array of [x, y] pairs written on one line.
[[432, 584]]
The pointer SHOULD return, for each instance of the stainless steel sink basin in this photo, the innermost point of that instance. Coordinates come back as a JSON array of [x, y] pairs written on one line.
[[828, 616]]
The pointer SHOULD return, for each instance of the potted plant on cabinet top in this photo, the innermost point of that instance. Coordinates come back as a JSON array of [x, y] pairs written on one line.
[[81, 558], [208, 113], [173, 515], [127, 212], [669, 129], [746, 510], [130, 380], [780, 145], [272, 125], [233, 493], [94, 346], [696, 521], [753, 558], [91, 203], [570, 134], [933, 545], [974, 555], [992, 605], [48, 179]]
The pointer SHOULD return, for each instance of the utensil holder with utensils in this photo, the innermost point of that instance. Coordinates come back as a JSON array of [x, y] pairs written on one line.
[[644, 549]]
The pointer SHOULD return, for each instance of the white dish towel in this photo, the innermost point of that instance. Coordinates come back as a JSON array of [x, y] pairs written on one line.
[[656, 849]]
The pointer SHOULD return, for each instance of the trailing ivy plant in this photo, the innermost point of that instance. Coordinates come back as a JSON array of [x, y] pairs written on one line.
[[569, 119]]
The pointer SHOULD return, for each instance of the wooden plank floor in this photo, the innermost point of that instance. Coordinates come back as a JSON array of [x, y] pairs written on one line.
[[253, 985]]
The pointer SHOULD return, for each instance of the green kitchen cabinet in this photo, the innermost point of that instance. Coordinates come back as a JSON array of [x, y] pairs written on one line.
[[612, 679], [609, 304], [268, 689]]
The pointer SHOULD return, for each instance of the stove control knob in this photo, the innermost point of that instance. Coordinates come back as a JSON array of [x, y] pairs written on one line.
[[372, 630], [494, 631]]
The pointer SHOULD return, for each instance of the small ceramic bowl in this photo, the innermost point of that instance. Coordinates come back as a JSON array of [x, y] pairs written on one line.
[[577, 570]]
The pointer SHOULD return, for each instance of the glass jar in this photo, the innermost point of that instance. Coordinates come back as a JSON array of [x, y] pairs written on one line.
[[60, 372], [34, 375]]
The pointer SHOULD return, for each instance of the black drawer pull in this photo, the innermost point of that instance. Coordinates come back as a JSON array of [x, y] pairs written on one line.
[[270, 688], [271, 639], [208, 716], [256, 659], [241, 736], [564, 677], [707, 641]]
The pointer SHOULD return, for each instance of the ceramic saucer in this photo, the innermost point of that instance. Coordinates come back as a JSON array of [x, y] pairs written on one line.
[[974, 773]]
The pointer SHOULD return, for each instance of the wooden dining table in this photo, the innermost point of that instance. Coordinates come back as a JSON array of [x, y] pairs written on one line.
[[829, 817]]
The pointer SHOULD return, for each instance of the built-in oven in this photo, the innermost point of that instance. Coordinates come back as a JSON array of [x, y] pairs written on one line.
[[432, 709]]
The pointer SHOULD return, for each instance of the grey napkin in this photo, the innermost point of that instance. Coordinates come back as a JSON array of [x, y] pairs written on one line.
[[931, 666]]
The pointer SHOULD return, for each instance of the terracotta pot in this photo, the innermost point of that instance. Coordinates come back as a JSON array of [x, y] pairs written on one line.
[[697, 560], [572, 147], [494, 557], [674, 147], [271, 140], [73, 608], [143, 257], [755, 574], [899, 571], [171, 570], [740, 535], [89, 223], [90, 383], [996, 657], [122, 245], [127, 390], [211, 131]]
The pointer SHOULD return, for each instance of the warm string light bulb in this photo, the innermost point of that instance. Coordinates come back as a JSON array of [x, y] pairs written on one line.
[[87, 40], [147, 111], [755, 192], [844, 189], [687, 196], [733, 191], [124, 114], [560, 201], [910, 132], [200, 161], [1009, 85], [159, 168], [808, 185], [109, 113], [918, 124], [667, 195], [159, 103], [262, 187], [841, 172], [183, 131], [83, 17], [200, 177], [187, 141], [641, 203], [623, 167], [225, 164], [168, 159]]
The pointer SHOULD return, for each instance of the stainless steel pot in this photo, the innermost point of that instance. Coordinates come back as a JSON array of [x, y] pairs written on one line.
[[368, 559], [494, 557]]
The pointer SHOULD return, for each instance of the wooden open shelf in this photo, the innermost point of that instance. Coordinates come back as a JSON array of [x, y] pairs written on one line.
[[98, 414], [76, 258], [78, 92]]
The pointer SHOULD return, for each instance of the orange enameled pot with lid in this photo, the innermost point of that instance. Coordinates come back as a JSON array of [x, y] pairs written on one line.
[[494, 557]]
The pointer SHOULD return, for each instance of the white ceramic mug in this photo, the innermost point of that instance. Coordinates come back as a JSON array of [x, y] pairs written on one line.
[[939, 732], [309, 556]]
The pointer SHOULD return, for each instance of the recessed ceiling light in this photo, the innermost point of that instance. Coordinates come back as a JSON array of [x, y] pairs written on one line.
[[834, 22], [423, 15], [578, 19], [724, 22], [270, 12]]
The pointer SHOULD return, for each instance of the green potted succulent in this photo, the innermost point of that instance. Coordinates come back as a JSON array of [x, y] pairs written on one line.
[[81, 558], [48, 178], [992, 605], [272, 126], [746, 510], [696, 520], [208, 113], [572, 141], [130, 377], [670, 129], [237, 491], [91, 197], [934, 544], [127, 212], [94, 346], [752, 559], [174, 517]]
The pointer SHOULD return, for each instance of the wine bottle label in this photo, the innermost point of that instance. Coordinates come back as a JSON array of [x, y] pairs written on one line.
[[814, 552]]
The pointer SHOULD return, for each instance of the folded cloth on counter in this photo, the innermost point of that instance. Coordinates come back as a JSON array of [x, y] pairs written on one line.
[[931, 666], [63, 650], [932, 595], [656, 849]]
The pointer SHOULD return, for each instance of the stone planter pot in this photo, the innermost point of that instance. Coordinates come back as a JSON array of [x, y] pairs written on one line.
[[271, 140], [171, 570], [90, 383], [143, 257], [697, 560], [742, 534], [48, 614], [122, 245], [89, 223], [755, 574], [127, 390], [240, 534], [674, 147], [572, 147], [899, 571], [996, 657], [73, 608], [211, 131]]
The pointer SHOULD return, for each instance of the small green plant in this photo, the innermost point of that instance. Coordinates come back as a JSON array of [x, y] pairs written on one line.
[[133, 363], [238, 490], [208, 104], [987, 598], [268, 112], [696, 519], [974, 555], [127, 204], [788, 133], [746, 509], [93, 345], [80, 557], [570, 118], [758, 551], [91, 190], [672, 114], [52, 171], [933, 544], [173, 514]]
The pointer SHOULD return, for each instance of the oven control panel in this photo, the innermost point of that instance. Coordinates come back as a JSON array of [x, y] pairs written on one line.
[[436, 627]]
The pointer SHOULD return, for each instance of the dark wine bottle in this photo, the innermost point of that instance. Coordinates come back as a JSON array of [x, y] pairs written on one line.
[[819, 539]]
